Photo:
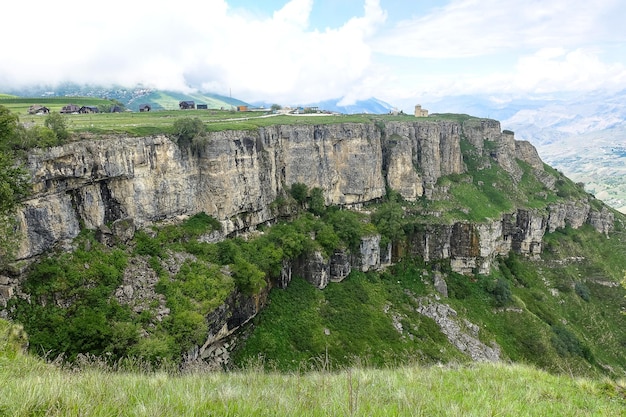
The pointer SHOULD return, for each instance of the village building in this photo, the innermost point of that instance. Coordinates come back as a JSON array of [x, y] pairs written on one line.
[[186, 105], [38, 109], [70, 108], [202, 107], [145, 107], [89, 109], [419, 112]]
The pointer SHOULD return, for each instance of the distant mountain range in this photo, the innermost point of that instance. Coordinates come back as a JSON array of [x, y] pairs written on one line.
[[132, 98], [369, 106]]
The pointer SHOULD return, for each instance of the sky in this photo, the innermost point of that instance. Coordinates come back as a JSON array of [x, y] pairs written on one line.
[[303, 51]]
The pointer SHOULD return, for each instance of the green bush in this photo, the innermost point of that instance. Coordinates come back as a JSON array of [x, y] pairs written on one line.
[[502, 292], [186, 129], [58, 124], [582, 291], [566, 343], [248, 277], [299, 192], [317, 204], [389, 221], [146, 245]]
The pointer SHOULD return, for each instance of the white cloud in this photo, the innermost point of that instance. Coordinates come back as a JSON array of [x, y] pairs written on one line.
[[467, 28], [174, 45], [548, 70]]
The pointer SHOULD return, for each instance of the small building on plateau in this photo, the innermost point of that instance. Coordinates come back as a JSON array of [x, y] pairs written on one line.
[[37, 109], [145, 107], [88, 109], [70, 108], [420, 112], [187, 105]]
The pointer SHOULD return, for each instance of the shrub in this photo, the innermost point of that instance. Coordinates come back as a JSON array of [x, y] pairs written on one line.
[[317, 204], [582, 291], [186, 129], [299, 192], [388, 219], [58, 124], [502, 292], [565, 342], [146, 245], [248, 277]]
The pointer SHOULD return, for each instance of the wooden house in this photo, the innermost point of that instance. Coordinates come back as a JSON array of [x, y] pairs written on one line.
[[116, 109], [88, 109], [70, 108], [38, 109], [242, 108], [202, 107], [145, 107], [186, 105]]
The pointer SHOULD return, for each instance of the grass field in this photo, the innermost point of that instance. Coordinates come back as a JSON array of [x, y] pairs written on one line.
[[30, 387], [160, 121]]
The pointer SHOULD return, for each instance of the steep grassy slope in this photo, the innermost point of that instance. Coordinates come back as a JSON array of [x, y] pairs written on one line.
[[168, 100], [563, 313]]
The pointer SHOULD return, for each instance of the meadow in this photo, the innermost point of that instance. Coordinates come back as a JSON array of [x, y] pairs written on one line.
[[160, 121], [30, 387]]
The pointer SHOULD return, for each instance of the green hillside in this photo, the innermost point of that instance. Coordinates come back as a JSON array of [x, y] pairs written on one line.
[[20, 105], [168, 100], [563, 313]]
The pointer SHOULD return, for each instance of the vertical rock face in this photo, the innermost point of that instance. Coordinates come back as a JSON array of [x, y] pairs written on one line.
[[128, 183], [314, 268], [419, 153], [477, 131], [343, 160], [320, 271], [572, 213], [233, 177]]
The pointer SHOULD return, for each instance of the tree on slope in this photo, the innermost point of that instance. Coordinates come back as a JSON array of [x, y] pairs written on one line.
[[14, 184]]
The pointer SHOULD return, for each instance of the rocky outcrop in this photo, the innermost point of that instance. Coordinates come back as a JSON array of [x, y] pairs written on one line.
[[319, 270], [419, 153], [472, 247], [603, 221], [460, 332]]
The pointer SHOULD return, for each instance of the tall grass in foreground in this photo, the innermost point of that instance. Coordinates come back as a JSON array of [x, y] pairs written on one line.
[[28, 388]]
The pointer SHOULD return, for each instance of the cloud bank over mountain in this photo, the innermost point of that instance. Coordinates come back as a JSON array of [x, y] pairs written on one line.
[[313, 50]]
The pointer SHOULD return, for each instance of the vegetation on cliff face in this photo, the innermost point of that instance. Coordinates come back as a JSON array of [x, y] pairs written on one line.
[[562, 313], [14, 184]]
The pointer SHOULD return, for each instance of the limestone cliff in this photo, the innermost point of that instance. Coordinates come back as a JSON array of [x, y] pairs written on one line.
[[121, 183], [234, 177]]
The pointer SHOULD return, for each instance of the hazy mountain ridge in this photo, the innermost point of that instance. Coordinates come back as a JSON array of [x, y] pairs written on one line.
[[131, 97]]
